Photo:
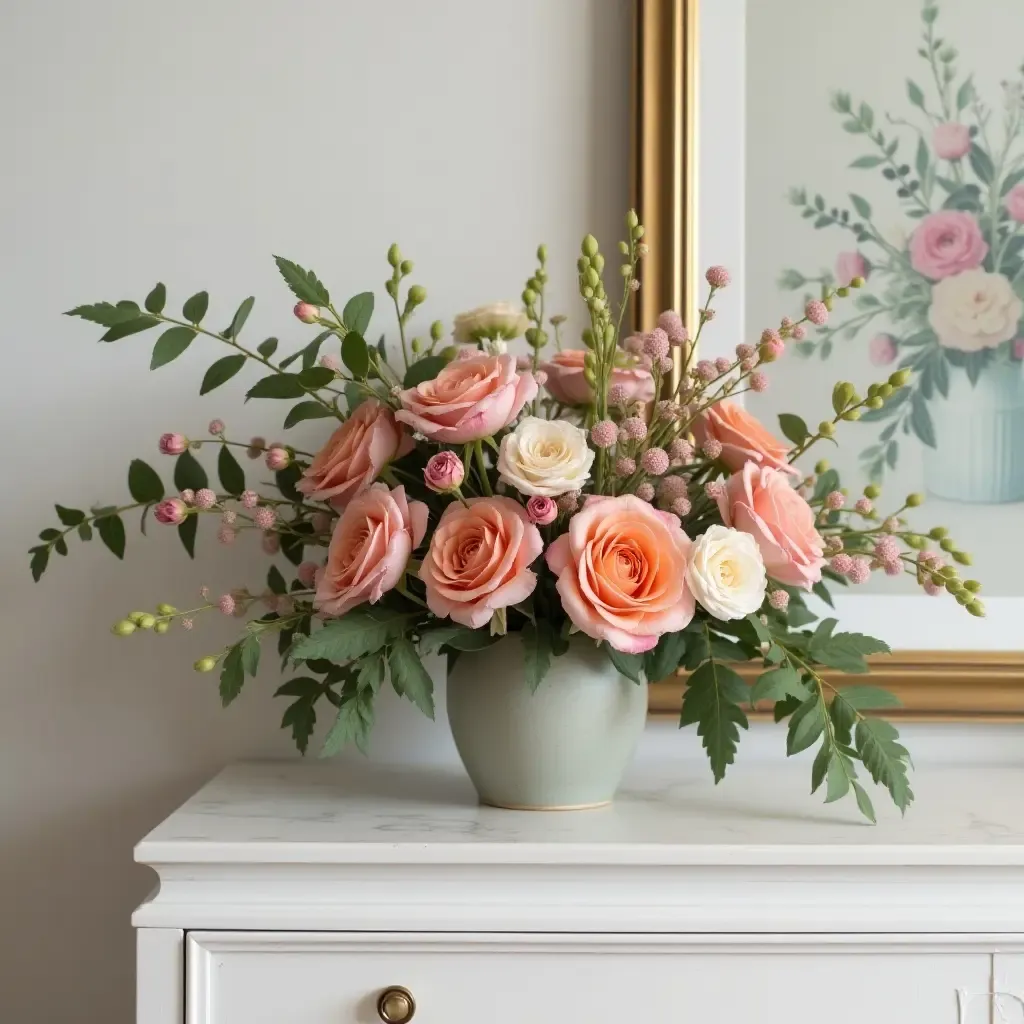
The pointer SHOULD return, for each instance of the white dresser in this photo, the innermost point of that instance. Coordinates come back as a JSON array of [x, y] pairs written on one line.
[[315, 894]]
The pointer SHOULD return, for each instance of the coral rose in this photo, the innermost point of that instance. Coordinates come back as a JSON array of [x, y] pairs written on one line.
[[370, 548], [760, 501], [742, 437], [974, 310], [479, 560], [621, 572], [951, 140], [946, 243], [355, 454], [566, 383], [468, 400]]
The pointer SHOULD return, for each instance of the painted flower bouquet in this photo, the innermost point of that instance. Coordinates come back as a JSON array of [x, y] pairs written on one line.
[[614, 499], [946, 282]]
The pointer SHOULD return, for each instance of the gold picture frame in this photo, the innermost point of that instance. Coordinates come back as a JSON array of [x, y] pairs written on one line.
[[951, 685]]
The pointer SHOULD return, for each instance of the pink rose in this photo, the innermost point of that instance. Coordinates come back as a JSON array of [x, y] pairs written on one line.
[[848, 266], [882, 350], [541, 510], [1015, 202], [444, 472], [566, 383], [761, 501], [479, 559], [951, 140], [742, 437], [170, 512], [172, 444], [355, 453], [946, 243], [370, 549], [621, 572], [468, 400]]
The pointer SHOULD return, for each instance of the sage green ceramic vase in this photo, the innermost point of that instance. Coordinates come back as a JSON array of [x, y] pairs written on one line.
[[562, 748]]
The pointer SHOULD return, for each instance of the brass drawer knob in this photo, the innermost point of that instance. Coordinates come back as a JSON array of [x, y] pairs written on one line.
[[395, 1005]]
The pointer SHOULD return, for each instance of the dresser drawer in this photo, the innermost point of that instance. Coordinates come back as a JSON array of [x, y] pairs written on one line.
[[324, 978]]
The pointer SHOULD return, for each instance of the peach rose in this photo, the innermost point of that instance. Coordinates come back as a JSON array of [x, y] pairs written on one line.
[[760, 501], [566, 383], [370, 548], [621, 572], [468, 400], [742, 437], [479, 559], [355, 454]]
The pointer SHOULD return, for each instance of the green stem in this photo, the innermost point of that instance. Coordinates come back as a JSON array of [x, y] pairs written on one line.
[[485, 483]]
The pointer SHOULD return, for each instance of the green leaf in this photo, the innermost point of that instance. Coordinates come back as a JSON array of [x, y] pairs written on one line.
[[300, 686], [251, 654], [276, 583], [424, 369], [629, 665], [432, 640], [536, 640], [981, 164], [350, 637], [170, 345], [355, 355], [664, 660], [964, 95], [106, 314], [821, 763], [712, 702], [806, 724], [305, 411], [267, 348], [232, 676], [793, 427], [777, 684], [316, 377], [220, 372], [840, 775], [827, 483], [885, 758], [277, 385], [307, 354], [868, 697], [922, 159], [303, 283], [864, 803], [129, 327], [40, 558], [370, 675], [861, 205], [188, 473], [187, 534], [821, 591], [921, 420], [111, 531], [300, 717], [915, 94], [465, 639], [409, 677], [195, 308], [69, 516], [144, 483], [241, 315], [232, 476], [866, 162], [357, 312], [353, 725], [156, 299]]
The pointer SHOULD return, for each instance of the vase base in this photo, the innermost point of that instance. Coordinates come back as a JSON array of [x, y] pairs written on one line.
[[545, 807]]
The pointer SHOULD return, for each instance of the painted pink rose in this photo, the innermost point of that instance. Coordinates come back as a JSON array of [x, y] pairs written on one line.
[[370, 549], [468, 400], [355, 454], [848, 266], [479, 560], [761, 501], [946, 243], [951, 140], [565, 381], [882, 350], [621, 572], [1015, 203], [743, 438]]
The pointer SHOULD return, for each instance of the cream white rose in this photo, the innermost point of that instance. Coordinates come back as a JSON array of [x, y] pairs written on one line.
[[726, 573], [545, 457], [974, 310], [498, 320]]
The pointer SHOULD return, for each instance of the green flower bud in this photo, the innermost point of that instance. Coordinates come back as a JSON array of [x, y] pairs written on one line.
[[540, 338], [972, 585], [842, 292], [821, 466], [954, 586], [589, 377], [589, 246], [842, 395], [162, 626], [977, 609], [541, 277], [417, 346], [436, 330], [624, 248], [876, 403], [588, 337], [826, 428], [542, 254], [899, 378], [637, 233], [146, 622], [530, 334], [632, 220], [166, 609], [947, 572], [851, 414], [207, 664], [857, 282], [406, 267], [590, 362], [873, 390], [963, 598], [588, 292], [625, 270], [529, 296], [916, 542], [915, 499], [581, 264], [884, 390], [394, 258], [417, 295], [391, 288], [609, 334], [591, 277], [123, 628], [962, 558], [872, 491], [827, 302], [449, 352], [938, 532]]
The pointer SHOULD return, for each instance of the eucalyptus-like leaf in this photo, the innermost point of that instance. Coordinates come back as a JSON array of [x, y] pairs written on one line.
[[170, 345], [220, 372], [195, 308]]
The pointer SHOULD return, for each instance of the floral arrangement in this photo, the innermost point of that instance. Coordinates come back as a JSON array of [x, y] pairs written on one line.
[[616, 490], [947, 281]]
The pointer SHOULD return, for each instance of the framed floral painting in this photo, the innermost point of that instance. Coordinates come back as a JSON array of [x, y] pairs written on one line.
[[884, 142]]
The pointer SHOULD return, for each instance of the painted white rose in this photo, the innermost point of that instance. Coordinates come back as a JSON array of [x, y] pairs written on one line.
[[545, 457], [498, 320], [726, 573], [974, 310]]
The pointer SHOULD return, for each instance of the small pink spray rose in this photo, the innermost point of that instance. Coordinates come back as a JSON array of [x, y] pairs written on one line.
[[444, 472], [951, 140], [541, 510], [173, 444], [170, 511]]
